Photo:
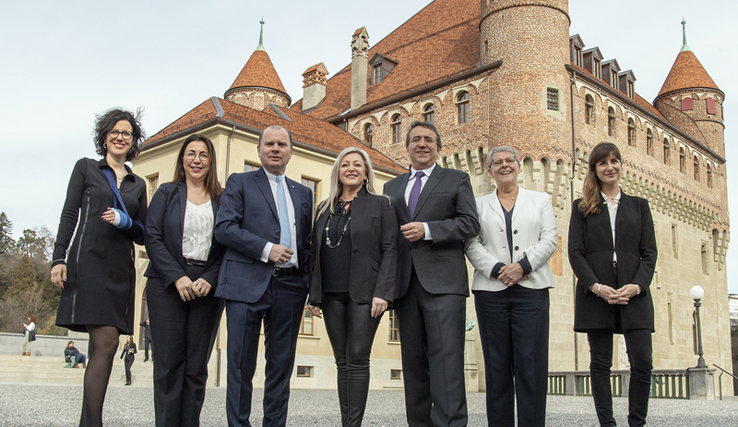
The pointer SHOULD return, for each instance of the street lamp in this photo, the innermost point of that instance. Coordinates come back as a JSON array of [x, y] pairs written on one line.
[[696, 292]]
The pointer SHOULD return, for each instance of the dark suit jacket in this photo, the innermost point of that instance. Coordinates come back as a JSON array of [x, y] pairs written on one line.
[[374, 250], [247, 220], [590, 256], [447, 205], [164, 227]]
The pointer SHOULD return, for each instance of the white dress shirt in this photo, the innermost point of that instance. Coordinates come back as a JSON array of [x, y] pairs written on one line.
[[291, 212], [413, 176], [613, 209]]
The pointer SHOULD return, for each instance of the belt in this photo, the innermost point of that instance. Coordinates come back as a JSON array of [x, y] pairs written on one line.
[[280, 272], [196, 263]]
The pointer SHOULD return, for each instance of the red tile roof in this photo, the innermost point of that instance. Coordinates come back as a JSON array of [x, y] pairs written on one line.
[[438, 43], [304, 129], [687, 72], [259, 72]]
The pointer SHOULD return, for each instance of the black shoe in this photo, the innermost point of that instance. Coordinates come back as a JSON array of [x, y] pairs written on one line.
[[146, 360], [127, 384]]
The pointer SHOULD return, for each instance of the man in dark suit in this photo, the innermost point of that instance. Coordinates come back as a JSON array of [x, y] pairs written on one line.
[[437, 213], [264, 221]]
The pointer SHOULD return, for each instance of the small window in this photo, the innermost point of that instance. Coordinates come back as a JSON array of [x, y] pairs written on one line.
[[696, 169], [395, 374], [377, 75], [649, 142], [313, 185], [394, 331], [368, 129], [153, 181], [631, 90], [304, 371], [396, 125], [306, 327], [614, 79], [709, 176], [705, 259], [686, 103], [249, 167], [577, 57], [462, 106], [675, 240], [611, 121], [666, 151], [428, 113], [710, 102], [631, 133], [597, 68], [682, 161], [588, 110], [552, 99]]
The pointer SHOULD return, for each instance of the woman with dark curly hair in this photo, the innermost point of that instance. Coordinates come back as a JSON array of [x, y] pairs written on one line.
[[106, 205]]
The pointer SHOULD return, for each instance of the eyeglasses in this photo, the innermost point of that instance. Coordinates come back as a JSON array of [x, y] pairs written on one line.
[[191, 155], [498, 162], [125, 134]]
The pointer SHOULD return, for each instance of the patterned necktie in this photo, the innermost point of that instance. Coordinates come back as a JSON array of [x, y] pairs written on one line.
[[285, 231], [415, 192]]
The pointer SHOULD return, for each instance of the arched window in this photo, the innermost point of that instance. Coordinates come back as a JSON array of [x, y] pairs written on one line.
[[396, 125], [682, 161], [709, 176], [666, 151], [428, 113], [696, 169], [368, 129], [588, 110], [462, 106], [611, 121], [686, 103], [649, 142], [631, 133]]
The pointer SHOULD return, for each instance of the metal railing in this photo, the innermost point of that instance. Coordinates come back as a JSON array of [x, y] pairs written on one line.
[[665, 383], [669, 384], [720, 379]]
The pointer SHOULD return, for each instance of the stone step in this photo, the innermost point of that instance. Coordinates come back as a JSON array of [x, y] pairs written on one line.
[[51, 370]]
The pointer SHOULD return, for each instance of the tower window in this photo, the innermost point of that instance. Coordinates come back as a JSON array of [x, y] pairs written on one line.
[[462, 107], [686, 103], [396, 125], [428, 113], [552, 99], [368, 129], [631, 133], [611, 121], [588, 110], [710, 102], [682, 161]]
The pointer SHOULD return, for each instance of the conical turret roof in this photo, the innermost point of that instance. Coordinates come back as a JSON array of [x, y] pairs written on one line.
[[687, 71]]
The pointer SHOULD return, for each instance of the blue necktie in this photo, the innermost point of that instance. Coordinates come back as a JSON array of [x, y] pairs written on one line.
[[412, 201], [285, 231]]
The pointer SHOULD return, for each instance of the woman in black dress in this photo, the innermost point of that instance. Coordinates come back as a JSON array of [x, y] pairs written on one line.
[[97, 275], [183, 273], [612, 250], [128, 355], [353, 263]]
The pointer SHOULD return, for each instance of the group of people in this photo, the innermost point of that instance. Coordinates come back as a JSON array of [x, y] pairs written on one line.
[[254, 249]]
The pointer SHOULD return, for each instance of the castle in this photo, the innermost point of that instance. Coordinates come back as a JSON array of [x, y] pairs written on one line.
[[490, 73]]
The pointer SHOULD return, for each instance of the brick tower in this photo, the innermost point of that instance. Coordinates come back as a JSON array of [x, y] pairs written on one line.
[[529, 97], [691, 100]]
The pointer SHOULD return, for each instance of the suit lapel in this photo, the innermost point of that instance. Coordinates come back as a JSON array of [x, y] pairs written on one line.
[[520, 203], [182, 195], [263, 183], [398, 195], [433, 180], [494, 202], [296, 202]]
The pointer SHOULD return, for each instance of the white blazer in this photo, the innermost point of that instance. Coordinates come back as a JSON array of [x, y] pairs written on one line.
[[534, 236]]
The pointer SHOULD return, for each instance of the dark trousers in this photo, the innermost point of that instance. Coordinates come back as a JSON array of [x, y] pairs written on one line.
[[513, 326], [351, 330], [185, 333], [128, 363], [147, 343], [281, 309], [638, 344], [432, 336]]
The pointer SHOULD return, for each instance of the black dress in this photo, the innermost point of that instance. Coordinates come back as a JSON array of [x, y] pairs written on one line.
[[101, 277]]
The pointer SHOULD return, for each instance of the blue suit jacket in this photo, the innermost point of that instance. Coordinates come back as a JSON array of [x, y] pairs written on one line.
[[246, 221]]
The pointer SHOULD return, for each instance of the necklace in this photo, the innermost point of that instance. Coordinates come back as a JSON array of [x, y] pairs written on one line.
[[341, 206]]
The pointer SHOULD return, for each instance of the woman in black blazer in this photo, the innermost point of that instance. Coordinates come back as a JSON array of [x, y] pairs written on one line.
[[612, 294], [185, 261], [353, 262], [129, 355]]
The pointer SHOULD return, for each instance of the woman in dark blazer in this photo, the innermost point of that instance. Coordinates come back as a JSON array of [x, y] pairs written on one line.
[[129, 356], [353, 262], [185, 261], [612, 250]]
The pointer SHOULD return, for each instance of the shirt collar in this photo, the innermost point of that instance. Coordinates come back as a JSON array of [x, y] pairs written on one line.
[[427, 171], [273, 178], [617, 198]]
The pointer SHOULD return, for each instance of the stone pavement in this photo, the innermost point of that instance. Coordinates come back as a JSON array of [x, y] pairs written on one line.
[[59, 405]]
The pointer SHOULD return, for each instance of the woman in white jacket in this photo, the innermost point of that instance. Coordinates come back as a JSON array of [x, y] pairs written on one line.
[[31, 325], [511, 281]]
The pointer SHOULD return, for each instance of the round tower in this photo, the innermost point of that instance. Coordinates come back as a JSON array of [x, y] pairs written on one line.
[[692, 101], [530, 92]]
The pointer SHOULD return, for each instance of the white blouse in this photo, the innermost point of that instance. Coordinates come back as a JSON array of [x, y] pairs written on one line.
[[197, 235], [613, 210]]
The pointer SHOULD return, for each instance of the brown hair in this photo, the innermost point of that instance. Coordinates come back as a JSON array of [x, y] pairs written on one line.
[[32, 318], [212, 185], [591, 199]]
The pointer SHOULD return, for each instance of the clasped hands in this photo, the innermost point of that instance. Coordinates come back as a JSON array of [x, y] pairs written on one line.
[[615, 296], [189, 290], [511, 274]]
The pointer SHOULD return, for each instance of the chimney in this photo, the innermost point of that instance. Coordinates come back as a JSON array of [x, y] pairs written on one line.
[[313, 86], [359, 61]]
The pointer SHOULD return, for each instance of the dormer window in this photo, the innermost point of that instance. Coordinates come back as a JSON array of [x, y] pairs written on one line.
[[614, 79], [626, 81], [577, 57], [575, 49], [686, 103], [377, 74], [596, 68], [381, 68], [591, 60], [631, 90]]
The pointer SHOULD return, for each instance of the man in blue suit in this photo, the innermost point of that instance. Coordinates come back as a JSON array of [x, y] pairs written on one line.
[[264, 221]]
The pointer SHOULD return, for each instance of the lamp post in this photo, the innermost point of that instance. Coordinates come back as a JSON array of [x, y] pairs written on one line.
[[696, 292]]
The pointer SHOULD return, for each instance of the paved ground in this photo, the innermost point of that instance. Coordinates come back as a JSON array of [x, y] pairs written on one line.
[[58, 405]]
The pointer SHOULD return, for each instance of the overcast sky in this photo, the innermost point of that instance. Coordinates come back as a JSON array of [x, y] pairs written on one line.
[[64, 62]]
